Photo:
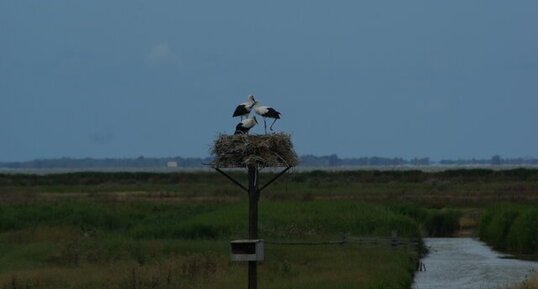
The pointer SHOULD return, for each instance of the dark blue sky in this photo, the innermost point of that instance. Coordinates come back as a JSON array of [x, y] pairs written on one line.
[[444, 79]]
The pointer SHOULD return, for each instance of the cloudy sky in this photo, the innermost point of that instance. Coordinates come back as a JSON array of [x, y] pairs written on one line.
[[444, 79]]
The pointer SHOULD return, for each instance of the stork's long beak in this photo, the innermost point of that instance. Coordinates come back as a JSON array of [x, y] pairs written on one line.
[[255, 120]]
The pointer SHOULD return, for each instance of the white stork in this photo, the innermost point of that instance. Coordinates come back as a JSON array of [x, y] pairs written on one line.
[[245, 125], [244, 108], [267, 112]]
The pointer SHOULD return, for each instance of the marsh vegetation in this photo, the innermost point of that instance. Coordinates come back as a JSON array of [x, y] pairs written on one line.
[[171, 230], [144, 245]]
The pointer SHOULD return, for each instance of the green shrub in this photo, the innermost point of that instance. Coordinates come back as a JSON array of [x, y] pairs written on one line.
[[523, 235], [442, 222], [495, 224], [434, 222], [511, 227]]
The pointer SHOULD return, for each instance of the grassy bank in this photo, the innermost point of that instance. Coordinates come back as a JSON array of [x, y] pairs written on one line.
[[147, 245], [510, 227], [191, 264]]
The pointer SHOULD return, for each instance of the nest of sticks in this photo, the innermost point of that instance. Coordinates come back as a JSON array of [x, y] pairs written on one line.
[[242, 150]]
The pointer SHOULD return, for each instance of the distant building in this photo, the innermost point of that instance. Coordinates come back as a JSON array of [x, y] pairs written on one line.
[[171, 164]]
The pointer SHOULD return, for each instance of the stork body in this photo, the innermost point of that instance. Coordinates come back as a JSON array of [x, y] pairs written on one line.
[[244, 108], [245, 125], [267, 112]]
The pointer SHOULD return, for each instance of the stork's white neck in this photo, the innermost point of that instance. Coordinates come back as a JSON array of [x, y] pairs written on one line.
[[251, 104]]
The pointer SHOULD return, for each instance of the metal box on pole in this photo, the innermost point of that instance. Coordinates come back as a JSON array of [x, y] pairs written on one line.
[[246, 250]]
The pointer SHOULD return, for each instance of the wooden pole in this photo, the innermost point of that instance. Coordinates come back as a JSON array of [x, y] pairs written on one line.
[[253, 197]]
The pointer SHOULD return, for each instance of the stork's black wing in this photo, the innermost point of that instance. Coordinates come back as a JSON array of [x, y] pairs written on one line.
[[272, 113], [240, 129], [240, 110]]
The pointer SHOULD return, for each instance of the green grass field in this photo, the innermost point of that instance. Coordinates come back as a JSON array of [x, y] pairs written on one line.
[[463, 188], [144, 245], [171, 230]]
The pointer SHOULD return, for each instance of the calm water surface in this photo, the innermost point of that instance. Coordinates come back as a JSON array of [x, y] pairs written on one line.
[[466, 263]]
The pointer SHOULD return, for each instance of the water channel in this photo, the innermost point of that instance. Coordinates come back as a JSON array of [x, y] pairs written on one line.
[[466, 263]]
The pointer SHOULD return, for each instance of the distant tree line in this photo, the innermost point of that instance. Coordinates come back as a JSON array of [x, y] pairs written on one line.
[[305, 161], [495, 160], [333, 161], [88, 163]]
